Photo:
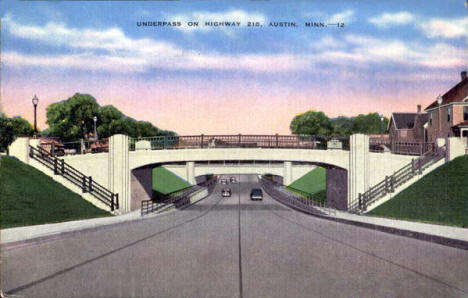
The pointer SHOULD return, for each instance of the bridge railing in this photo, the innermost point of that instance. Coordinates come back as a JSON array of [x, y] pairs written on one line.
[[86, 183], [382, 144], [390, 183], [178, 199], [240, 141], [56, 148], [298, 200]]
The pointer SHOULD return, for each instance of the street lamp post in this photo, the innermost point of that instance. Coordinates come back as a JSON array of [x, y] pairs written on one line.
[[95, 130], [35, 101], [439, 102], [381, 125]]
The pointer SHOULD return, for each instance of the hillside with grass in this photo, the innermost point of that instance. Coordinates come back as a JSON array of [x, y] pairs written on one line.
[[166, 182], [312, 185], [439, 197], [29, 197]]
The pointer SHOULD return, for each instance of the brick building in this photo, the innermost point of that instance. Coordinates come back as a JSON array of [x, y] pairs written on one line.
[[448, 114]]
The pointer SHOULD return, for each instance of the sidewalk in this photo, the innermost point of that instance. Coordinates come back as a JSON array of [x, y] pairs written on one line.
[[20, 236], [55, 230], [445, 235]]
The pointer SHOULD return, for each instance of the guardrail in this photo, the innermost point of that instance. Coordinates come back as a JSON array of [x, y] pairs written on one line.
[[390, 183], [54, 147], [277, 192], [86, 183], [378, 144], [179, 199], [239, 141]]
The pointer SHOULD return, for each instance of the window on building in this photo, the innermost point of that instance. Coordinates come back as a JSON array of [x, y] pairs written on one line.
[[430, 118], [449, 114], [465, 113]]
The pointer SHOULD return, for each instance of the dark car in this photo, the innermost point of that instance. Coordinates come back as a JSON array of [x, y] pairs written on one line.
[[224, 181], [233, 179], [256, 194], [226, 192]]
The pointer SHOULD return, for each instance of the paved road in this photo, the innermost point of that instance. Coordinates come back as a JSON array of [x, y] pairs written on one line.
[[234, 247]]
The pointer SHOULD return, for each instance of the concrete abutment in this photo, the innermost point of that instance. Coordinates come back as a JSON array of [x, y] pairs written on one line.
[[121, 171]]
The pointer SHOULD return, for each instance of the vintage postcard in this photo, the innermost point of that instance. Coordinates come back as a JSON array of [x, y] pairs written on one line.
[[241, 148]]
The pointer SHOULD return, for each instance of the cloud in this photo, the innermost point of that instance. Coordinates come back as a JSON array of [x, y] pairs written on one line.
[[204, 16], [430, 27], [111, 50], [446, 28], [346, 16], [326, 42], [386, 20], [369, 49]]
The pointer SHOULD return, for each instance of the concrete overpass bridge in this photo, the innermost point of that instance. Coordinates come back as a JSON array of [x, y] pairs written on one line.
[[126, 168]]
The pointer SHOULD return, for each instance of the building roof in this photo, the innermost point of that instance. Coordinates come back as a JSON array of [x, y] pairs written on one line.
[[457, 94], [407, 120]]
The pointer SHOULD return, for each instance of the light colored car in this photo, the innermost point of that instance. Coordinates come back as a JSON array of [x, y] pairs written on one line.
[[256, 194], [226, 192], [223, 181]]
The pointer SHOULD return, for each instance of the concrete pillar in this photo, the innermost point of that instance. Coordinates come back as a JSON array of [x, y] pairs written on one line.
[[287, 173], [358, 174], [141, 184], [119, 172], [20, 149], [190, 170], [337, 188], [455, 148]]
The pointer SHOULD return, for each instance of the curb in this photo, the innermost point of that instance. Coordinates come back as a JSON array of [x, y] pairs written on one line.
[[456, 243], [61, 235]]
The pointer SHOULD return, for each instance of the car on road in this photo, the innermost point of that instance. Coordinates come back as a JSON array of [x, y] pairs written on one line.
[[226, 192], [223, 181], [256, 194], [233, 179]]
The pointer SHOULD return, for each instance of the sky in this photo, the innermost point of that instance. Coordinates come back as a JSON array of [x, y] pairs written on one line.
[[385, 56]]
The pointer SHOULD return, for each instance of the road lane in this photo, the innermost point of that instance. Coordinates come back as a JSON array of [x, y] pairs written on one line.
[[288, 253], [196, 252]]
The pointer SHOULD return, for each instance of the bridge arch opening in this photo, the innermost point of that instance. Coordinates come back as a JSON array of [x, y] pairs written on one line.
[[195, 172]]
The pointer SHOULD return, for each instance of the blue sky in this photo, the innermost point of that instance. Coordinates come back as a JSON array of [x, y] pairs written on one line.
[[389, 56]]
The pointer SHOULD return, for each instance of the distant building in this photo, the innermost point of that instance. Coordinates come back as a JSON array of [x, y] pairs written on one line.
[[408, 127], [448, 115]]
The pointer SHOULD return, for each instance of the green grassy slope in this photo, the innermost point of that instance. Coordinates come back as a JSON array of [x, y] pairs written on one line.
[[313, 183], [29, 197], [439, 197], [165, 182]]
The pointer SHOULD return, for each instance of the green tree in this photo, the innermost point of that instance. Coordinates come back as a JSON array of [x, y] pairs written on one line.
[[342, 126], [6, 133], [126, 126], [107, 114], [146, 129], [72, 119], [369, 124], [311, 122], [21, 127]]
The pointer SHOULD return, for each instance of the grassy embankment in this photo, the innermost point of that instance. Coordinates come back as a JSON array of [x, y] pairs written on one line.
[[312, 185], [29, 197], [439, 197], [165, 182]]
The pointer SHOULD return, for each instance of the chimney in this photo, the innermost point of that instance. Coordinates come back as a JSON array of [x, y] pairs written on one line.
[[463, 75], [419, 109]]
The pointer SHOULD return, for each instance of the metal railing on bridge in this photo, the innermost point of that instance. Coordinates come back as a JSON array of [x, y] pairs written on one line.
[[240, 141], [179, 199], [378, 144], [390, 183], [86, 183]]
